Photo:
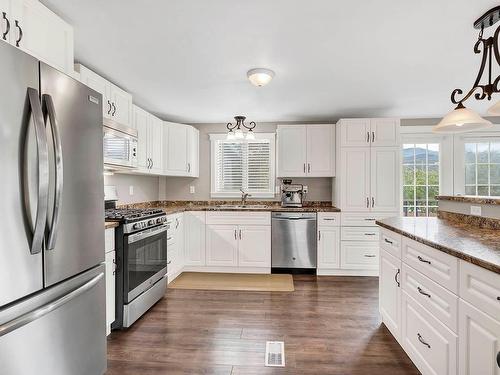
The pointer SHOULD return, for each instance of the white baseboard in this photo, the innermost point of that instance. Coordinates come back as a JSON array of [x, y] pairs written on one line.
[[227, 269], [342, 272]]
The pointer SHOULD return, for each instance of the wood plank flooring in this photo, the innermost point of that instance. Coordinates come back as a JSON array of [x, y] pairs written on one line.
[[330, 325]]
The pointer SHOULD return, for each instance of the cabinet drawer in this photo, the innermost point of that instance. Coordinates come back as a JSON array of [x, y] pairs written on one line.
[[360, 234], [328, 219], [438, 266], [429, 344], [239, 218], [439, 301], [363, 219], [390, 242], [359, 255], [109, 240], [481, 288]]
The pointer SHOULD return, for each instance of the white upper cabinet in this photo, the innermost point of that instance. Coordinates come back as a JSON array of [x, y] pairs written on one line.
[[181, 145], [385, 179], [292, 151], [369, 132], [35, 29], [149, 146], [116, 103], [355, 179], [306, 151]]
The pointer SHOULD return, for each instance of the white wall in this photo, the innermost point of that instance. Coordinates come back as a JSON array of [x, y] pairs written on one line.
[[145, 187]]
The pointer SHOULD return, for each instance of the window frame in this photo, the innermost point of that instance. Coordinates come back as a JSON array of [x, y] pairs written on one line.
[[272, 178]]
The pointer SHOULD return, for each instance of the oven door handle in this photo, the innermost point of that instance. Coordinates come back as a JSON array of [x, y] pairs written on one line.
[[146, 234]]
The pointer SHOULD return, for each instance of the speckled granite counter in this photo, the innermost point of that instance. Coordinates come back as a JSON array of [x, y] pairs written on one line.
[[110, 224], [477, 245], [172, 207], [469, 199]]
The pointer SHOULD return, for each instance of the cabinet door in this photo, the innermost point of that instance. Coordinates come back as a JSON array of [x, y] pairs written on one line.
[[222, 245], [110, 264], [329, 247], [193, 151], [6, 22], [99, 84], [385, 179], [355, 179], [44, 34], [384, 132], [122, 106], [292, 151], [355, 132], [320, 151], [176, 150], [194, 247], [254, 248], [155, 139], [359, 255], [479, 346], [390, 292], [140, 123]]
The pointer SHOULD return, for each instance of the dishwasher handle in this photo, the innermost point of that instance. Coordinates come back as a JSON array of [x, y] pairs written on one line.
[[294, 218]]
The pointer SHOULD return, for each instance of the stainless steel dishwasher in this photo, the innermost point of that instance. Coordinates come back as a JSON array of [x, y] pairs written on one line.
[[293, 240]]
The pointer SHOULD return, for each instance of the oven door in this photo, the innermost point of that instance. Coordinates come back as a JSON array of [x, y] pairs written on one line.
[[145, 260], [120, 148]]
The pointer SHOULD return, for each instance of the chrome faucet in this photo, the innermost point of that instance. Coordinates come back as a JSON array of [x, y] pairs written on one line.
[[244, 197]]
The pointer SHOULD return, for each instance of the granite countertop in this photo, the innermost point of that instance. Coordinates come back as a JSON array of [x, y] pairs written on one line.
[[110, 224], [470, 199], [476, 245]]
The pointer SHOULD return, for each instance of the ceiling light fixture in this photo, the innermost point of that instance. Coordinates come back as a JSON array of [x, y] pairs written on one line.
[[462, 119], [260, 76], [235, 131]]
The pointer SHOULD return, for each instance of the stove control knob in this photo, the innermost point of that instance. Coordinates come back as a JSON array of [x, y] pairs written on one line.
[[151, 222], [136, 226], [159, 220]]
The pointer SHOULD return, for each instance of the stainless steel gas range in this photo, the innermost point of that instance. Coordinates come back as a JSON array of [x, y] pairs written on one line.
[[141, 257]]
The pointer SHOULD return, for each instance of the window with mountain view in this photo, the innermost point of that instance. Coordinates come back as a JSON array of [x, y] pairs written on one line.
[[482, 168], [420, 179]]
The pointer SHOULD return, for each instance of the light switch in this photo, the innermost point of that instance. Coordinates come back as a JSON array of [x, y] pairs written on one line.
[[475, 210], [131, 190], [192, 189]]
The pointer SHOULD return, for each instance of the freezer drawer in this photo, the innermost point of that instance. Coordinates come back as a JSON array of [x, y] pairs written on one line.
[[60, 331]]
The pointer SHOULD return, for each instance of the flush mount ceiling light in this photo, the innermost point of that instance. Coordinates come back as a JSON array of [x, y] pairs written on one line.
[[235, 131], [462, 119], [260, 76]]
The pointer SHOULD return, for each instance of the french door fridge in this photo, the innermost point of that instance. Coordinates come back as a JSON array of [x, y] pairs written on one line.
[[52, 288]]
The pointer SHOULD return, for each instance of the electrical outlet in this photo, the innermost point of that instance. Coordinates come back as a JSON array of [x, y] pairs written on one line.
[[192, 189], [131, 190], [475, 210], [306, 188]]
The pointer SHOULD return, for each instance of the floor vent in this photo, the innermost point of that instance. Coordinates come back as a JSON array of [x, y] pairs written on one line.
[[275, 354]]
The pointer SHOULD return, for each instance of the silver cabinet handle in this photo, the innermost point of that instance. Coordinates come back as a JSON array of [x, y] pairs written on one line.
[[169, 262], [367, 202], [389, 242], [304, 167], [421, 291], [422, 340], [369, 234], [396, 278], [367, 137], [18, 41], [110, 108], [177, 223], [319, 235], [235, 235], [114, 109], [370, 256], [7, 29], [38, 227], [329, 219], [308, 167], [498, 359], [373, 137], [59, 174], [189, 167], [373, 202], [48, 308], [240, 234], [423, 260]]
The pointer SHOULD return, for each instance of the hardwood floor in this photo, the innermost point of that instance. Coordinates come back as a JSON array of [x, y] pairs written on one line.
[[330, 325]]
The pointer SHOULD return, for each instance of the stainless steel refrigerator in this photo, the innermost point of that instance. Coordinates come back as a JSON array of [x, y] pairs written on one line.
[[52, 285]]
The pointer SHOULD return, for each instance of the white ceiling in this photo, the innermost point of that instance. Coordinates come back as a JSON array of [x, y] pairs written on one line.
[[186, 60]]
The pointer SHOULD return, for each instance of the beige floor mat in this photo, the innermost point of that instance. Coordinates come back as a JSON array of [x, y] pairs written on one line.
[[233, 281]]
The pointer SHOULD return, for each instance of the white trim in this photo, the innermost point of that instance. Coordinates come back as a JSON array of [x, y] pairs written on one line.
[[215, 269], [343, 272], [272, 178]]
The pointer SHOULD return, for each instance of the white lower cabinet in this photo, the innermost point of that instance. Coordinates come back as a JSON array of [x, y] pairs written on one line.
[[328, 248], [479, 350], [222, 245], [390, 292], [175, 246], [254, 247], [110, 269], [361, 255], [430, 345], [194, 238]]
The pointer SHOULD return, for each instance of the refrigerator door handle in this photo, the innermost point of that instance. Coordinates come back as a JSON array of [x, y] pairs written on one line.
[[56, 138], [48, 308], [38, 227]]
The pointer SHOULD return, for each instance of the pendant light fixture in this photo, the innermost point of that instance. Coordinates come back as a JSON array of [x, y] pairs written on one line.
[[260, 76], [235, 131], [462, 119]]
